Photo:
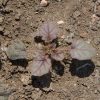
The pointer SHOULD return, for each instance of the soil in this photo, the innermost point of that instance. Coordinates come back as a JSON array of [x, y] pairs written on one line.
[[19, 19]]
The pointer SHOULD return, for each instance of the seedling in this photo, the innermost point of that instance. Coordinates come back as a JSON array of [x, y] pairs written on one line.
[[49, 50]]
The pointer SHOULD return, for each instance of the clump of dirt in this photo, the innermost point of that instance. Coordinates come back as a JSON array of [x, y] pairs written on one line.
[[19, 19]]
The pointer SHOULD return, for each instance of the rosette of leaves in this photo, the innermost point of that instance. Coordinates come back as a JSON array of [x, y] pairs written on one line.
[[42, 61], [82, 50], [16, 50]]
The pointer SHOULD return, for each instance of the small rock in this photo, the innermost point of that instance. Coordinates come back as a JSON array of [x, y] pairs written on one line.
[[25, 79], [44, 3], [18, 16], [60, 22], [96, 91], [76, 14]]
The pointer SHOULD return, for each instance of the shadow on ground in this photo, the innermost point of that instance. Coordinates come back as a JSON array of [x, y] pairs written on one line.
[[20, 62], [82, 68], [58, 67], [42, 81]]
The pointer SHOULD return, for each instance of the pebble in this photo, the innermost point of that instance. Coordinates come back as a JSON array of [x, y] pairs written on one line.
[[44, 3], [18, 16], [60, 22], [25, 79]]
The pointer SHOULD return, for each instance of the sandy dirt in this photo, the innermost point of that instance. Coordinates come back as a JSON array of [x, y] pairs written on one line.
[[19, 19]]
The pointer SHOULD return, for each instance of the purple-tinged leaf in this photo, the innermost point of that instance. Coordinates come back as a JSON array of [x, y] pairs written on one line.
[[41, 65], [81, 50], [57, 54], [48, 31]]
